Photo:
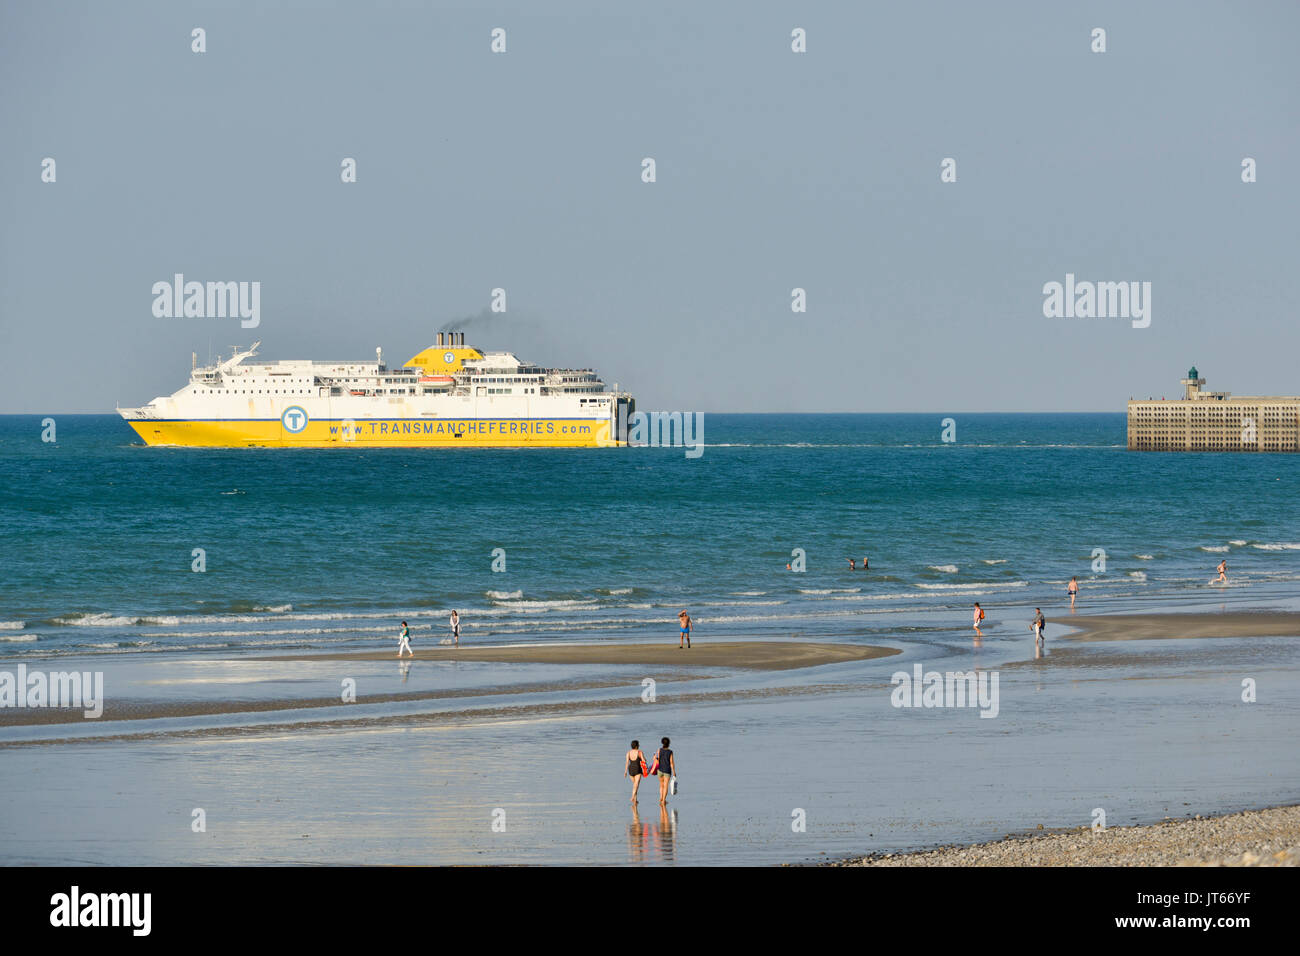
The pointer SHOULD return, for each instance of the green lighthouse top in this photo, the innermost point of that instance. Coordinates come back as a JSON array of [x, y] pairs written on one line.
[[1191, 372]]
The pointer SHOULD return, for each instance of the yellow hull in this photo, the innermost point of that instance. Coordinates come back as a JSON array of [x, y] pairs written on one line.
[[372, 433]]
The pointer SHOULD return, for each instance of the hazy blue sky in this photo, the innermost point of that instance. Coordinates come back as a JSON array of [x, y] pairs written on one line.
[[775, 170]]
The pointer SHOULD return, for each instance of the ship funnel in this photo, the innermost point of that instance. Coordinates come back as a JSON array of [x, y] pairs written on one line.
[[461, 340], [439, 340]]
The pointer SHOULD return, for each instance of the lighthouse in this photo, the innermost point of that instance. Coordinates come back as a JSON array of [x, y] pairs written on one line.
[[1193, 382]]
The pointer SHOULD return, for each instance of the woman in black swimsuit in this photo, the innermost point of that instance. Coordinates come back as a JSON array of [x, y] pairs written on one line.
[[635, 759], [666, 768]]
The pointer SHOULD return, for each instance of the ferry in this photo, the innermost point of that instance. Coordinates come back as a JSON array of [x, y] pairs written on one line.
[[449, 395]]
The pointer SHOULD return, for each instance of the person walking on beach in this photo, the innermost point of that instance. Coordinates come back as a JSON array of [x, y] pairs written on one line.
[[666, 767], [404, 641], [455, 627], [1072, 589], [635, 768], [684, 620], [979, 618], [1037, 626], [1223, 572]]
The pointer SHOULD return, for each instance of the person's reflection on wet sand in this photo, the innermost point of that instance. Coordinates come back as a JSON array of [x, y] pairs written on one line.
[[665, 834], [652, 842], [637, 837]]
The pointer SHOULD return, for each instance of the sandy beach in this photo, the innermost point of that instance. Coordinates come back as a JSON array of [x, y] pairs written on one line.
[[1252, 838], [457, 733], [698, 663], [1135, 627], [756, 655]]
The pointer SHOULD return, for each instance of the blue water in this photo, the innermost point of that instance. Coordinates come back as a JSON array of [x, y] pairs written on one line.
[[331, 548]]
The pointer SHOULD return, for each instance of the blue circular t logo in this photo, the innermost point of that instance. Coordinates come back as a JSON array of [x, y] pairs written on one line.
[[294, 419]]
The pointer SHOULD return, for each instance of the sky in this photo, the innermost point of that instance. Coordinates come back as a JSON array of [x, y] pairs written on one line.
[[774, 170]]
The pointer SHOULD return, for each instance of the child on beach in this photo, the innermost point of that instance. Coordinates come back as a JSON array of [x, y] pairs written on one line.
[[404, 642]]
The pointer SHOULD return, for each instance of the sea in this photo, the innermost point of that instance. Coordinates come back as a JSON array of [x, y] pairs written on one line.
[[109, 547]]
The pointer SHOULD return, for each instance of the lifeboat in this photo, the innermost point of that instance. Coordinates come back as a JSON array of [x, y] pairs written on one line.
[[437, 380]]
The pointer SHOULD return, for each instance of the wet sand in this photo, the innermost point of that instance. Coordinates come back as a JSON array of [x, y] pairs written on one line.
[[1254, 838], [1147, 730], [670, 664], [1133, 627], [755, 655]]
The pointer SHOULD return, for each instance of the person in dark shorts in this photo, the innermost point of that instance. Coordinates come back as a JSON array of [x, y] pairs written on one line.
[[635, 767], [666, 768]]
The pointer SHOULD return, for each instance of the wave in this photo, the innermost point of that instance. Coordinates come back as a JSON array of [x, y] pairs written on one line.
[[1237, 544], [1218, 548], [829, 590], [504, 595], [12, 625], [274, 609], [1138, 575], [1277, 547], [736, 604], [19, 638], [748, 593], [514, 605], [166, 620], [614, 591], [995, 560], [1145, 557], [104, 619], [945, 568], [974, 586]]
